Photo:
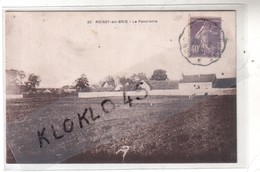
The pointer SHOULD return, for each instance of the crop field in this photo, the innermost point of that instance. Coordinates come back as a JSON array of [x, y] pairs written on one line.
[[157, 129]]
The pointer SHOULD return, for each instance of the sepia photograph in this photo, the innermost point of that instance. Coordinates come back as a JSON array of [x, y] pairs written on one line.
[[120, 87]]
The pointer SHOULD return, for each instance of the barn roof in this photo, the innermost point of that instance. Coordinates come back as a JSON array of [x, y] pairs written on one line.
[[110, 83], [198, 78], [162, 85], [225, 83], [102, 89], [47, 91]]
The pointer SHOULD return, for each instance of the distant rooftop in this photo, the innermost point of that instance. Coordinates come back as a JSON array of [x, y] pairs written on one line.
[[102, 89], [225, 83], [110, 83], [157, 85], [198, 78]]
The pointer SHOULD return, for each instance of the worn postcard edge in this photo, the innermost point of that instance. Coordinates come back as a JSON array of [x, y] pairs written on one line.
[[242, 128]]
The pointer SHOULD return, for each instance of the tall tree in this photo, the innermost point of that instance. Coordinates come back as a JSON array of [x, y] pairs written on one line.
[[122, 80], [159, 75], [125, 81], [33, 81], [82, 83]]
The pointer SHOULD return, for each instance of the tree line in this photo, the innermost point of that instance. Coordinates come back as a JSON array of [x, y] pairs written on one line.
[[82, 82], [16, 81]]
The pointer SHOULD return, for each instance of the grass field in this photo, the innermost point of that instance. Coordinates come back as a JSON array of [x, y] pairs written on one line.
[[157, 129]]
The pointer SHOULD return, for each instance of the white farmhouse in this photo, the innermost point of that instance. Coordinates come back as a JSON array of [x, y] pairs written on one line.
[[143, 84], [118, 87], [197, 82]]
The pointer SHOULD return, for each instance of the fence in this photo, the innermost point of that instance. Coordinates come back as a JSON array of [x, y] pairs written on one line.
[[213, 91], [19, 96]]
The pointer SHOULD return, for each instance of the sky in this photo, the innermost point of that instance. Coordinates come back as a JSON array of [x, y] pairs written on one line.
[[60, 46]]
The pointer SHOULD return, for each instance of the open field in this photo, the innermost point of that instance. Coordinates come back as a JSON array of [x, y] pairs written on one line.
[[157, 129]]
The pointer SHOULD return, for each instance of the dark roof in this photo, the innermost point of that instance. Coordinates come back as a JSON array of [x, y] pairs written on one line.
[[198, 78], [225, 83], [102, 89], [162, 85], [155, 85]]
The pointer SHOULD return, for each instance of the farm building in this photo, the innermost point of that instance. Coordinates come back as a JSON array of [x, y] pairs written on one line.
[[152, 85], [108, 84], [102, 89], [145, 85], [195, 82], [225, 83], [70, 90], [107, 87], [163, 85], [47, 91], [118, 87], [136, 86]]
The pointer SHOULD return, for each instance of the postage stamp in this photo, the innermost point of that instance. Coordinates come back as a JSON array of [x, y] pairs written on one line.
[[203, 41], [205, 37]]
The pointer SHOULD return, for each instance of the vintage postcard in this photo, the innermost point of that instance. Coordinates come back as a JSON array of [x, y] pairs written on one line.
[[120, 87]]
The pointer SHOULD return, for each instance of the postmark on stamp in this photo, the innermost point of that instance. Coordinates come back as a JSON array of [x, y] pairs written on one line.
[[202, 41]]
